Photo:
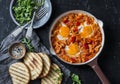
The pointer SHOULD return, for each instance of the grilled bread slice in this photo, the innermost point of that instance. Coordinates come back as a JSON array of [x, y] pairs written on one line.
[[19, 73], [54, 77], [34, 63], [46, 65]]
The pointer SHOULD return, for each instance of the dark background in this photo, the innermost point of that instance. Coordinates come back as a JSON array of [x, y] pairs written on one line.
[[106, 10]]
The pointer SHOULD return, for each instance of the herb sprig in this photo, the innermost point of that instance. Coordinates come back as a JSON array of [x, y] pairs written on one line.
[[75, 79], [28, 44]]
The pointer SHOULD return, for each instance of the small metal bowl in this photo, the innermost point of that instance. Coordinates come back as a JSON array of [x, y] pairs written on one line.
[[17, 50]]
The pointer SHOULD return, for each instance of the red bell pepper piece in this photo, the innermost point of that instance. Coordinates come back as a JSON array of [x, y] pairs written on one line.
[[73, 38]]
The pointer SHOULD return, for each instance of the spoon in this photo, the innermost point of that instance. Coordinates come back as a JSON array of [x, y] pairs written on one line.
[[30, 28]]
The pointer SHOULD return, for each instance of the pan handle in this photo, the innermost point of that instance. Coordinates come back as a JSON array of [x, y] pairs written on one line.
[[98, 71]]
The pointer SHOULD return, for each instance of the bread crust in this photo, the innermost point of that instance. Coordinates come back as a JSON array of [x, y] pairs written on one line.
[[19, 73], [54, 77], [46, 64], [34, 63]]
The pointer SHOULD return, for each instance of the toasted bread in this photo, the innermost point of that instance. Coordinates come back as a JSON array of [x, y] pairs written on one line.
[[46, 64], [19, 73], [54, 77], [34, 63]]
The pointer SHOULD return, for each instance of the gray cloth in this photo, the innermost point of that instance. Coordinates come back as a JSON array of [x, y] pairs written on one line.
[[6, 60]]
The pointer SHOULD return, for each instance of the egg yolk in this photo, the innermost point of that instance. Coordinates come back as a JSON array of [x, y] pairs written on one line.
[[64, 31], [87, 30], [73, 49]]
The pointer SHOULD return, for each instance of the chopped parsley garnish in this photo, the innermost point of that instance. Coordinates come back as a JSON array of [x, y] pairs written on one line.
[[75, 79], [60, 75]]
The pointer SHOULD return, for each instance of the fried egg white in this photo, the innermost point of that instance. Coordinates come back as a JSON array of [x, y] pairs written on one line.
[[61, 37], [64, 32], [73, 50], [85, 30]]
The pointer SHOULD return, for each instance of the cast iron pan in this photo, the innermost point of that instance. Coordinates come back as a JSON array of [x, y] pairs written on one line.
[[92, 62]]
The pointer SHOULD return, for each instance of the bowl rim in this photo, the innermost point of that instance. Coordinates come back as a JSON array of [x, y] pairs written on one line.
[[100, 23], [11, 13]]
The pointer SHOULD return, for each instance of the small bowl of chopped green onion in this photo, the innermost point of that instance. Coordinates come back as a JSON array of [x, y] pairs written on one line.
[[21, 11]]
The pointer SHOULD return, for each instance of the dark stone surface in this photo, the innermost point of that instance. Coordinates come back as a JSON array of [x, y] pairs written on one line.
[[106, 10]]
